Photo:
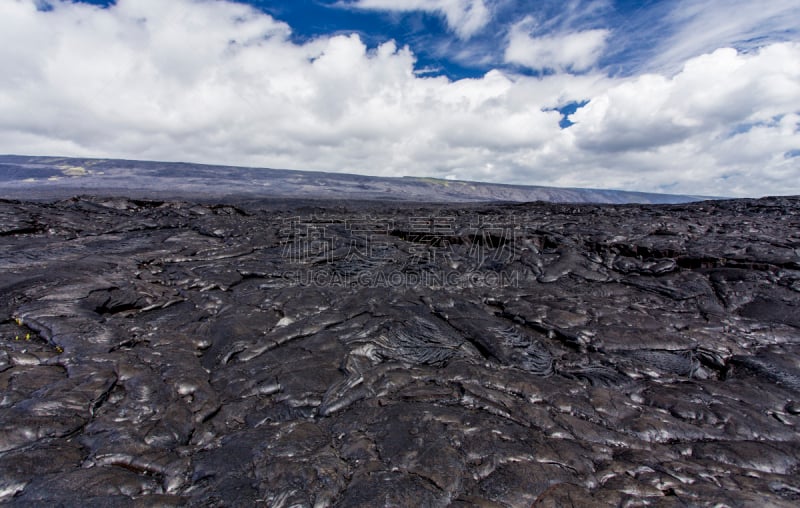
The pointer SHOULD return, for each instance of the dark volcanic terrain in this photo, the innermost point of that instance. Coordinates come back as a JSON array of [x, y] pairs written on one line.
[[371, 354]]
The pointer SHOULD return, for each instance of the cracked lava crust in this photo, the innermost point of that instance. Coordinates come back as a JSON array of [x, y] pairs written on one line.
[[373, 354]]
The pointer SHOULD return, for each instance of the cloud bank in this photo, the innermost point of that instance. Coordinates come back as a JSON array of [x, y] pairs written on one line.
[[220, 82]]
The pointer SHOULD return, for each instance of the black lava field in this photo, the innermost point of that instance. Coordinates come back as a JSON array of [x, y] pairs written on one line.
[[321, 353]]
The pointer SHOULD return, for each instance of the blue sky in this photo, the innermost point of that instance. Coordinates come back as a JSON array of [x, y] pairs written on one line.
[[691, 96]]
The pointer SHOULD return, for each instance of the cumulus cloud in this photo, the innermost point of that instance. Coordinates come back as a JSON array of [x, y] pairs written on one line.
[[574, 51], [725, 117], [464, 17], [219, 82], [713, 94]]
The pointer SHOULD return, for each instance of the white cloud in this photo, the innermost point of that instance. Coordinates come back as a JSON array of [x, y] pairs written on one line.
[[699, 26], [219, 82], [575, 51], [713, 93], [723, 119], [464, 17]]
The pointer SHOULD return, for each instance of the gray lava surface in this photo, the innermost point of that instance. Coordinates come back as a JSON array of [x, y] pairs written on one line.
[[366, 354]]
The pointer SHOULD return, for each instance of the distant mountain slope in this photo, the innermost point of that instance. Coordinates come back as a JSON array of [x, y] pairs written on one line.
[[57, 177]]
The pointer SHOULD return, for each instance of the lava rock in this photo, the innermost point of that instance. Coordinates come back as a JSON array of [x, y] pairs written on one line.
[[164, 353]]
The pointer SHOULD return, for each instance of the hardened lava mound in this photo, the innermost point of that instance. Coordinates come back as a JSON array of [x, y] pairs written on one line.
[[367, 354]]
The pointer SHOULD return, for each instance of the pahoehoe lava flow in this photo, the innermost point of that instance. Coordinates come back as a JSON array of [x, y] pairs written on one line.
[[168, 353]]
